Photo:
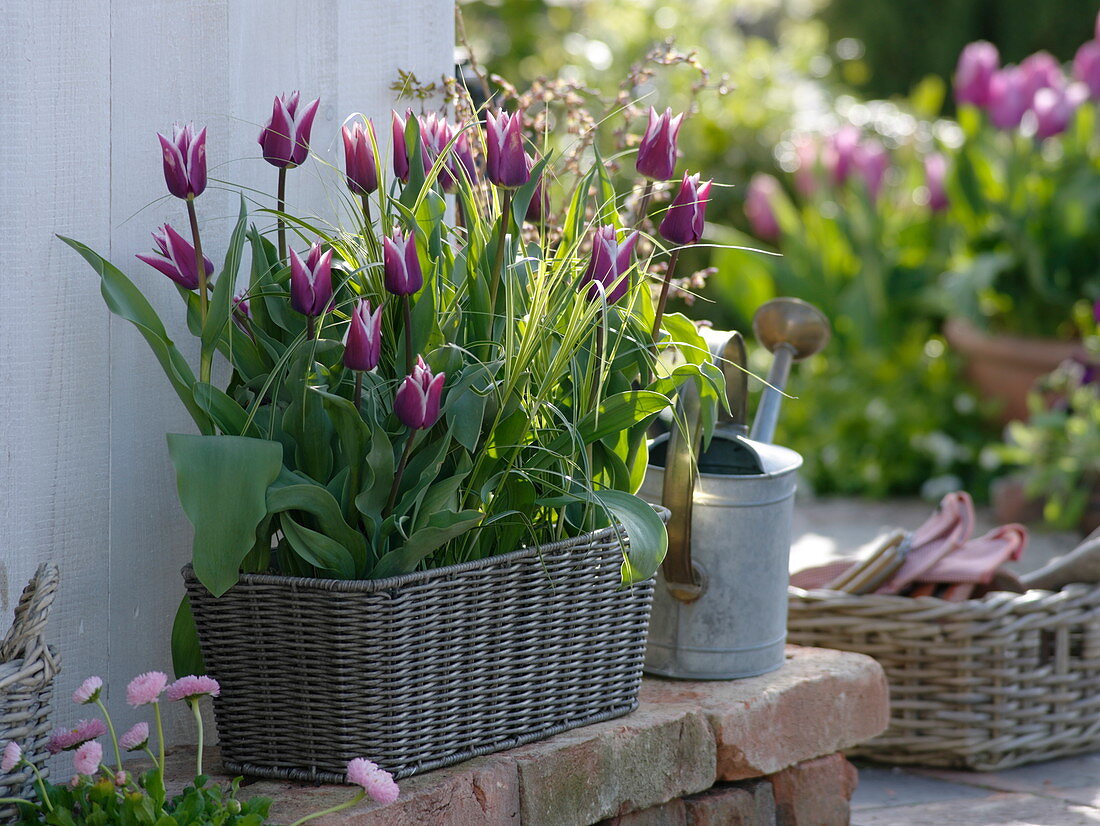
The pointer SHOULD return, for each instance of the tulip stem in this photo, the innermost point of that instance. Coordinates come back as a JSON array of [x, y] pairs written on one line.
[[397, 474], [643, 204], [368, 223], [311, 329], [281, 206], [498, 265], [358, 393], [406, 311], [669, 273], [597, 359], [204, 300]]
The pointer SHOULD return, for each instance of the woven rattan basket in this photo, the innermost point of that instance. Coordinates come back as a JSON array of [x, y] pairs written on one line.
[[984, 684], [424, 670], [27, 669]]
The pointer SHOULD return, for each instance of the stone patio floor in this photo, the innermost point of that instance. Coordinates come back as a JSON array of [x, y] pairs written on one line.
[[1056, 793]]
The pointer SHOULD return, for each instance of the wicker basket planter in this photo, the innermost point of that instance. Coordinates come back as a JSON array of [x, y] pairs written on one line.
[[423, 670], [985, 684], [27, 668]]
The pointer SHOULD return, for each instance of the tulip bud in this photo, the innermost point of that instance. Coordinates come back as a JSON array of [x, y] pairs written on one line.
[[839, 154], [400, 150], [416, 403], [871, 161], [1008, 97], [242, 312], [463, 156], [1054, 109], [184, 161], [540, 201], [401, 265], [1086, 67], [935, 175], [758, 206], [362, 174], [1041, 71], [363, 342], [683, 222], [977, 65], [609, 263], [311, 281], [435, 135], [176, 258], [506, 161], [285, 139], [657, 152]]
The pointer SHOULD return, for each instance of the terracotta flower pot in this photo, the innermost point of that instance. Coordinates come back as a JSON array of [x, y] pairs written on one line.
[[1005, 367]]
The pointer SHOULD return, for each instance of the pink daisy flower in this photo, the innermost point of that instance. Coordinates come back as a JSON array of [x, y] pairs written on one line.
[[191, 687], [121, 778], [12, 755], [145, 688], [88, 757], [69, 739], [377, 783], [88, 691], [136, 738]]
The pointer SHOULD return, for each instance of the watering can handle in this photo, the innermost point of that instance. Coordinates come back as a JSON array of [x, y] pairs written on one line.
[[678, 494]]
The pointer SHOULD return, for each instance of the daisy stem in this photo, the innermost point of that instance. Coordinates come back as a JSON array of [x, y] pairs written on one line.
[[198, 723], [111, 729]]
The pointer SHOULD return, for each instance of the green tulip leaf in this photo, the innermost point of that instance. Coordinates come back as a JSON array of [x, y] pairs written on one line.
[[222, 482], [186, 654], [318, 550], [648, 541], [442, 527]]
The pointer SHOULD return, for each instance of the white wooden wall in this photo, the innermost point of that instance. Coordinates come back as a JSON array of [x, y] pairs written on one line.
[[85, 478]]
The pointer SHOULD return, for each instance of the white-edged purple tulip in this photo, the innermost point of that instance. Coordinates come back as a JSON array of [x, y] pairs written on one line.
[[416, 403], [609, 264], [657, 151], [506, 161], [359, 167], [401, 265], [363, 342], [311, 281], [176, 258], [184, 161], [285, 139], [684, 220]]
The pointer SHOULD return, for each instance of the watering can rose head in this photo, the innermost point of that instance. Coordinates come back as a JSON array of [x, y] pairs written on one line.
[[311, 281], [416, 403], [285, 139], [184, 161]]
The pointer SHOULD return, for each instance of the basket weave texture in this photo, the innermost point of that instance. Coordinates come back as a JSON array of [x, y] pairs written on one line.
[[27, 668], [422, 670], [984, 684]]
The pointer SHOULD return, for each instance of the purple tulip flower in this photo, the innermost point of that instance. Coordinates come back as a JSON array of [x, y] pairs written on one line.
[[435, 135], [540, 201], [657, 152], [184, 161], [683, 222], [311, 281], [1086, 67], [763, 189], [176, 258], [362, 173], [285, 139], [977, 65], [1041, 71], [805, 176], [463, 156], [400, 150], [363, 342], [1008, 97], [401, 265], [935, 176], [506, 161], [871, 161], [416, 402], [1054, 108], [839, 155], [609, 264]]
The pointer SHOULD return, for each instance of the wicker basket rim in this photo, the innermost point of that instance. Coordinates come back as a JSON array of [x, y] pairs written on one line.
[[386, 583], [996, 598]]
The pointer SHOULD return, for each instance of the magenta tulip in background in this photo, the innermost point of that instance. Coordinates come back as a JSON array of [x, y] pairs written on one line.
[[974, 74], [359, 165], [839, 154], [806, 150], [400, 150], [176, 258], [363, 342], [1054, 108], [311, 281], [462, 159], [401, 265], [184, 161], [1008, 97], [1086, 67], [416, 403], [657, 152], [763, 188], [1041, 71], [871, 161], [684, 220], [935, 178], [540, 200], [609, 262], [506, 159], [285, 139]]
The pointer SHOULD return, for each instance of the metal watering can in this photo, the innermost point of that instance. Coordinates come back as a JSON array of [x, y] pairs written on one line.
[[720, 605]]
